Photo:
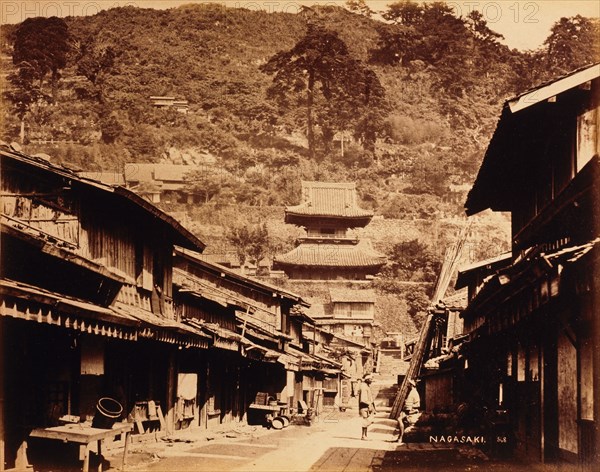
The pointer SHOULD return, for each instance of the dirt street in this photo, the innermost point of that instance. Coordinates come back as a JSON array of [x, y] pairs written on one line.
[[332, 444]]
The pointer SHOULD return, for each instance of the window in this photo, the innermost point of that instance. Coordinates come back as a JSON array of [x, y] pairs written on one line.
[[587, 137]]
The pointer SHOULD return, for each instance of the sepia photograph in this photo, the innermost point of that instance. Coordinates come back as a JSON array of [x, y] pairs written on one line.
[[300, 236]]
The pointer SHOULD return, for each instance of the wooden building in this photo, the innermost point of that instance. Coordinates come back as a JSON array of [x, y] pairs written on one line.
[[533, 324], [261, 322], [182, 106], [102, 294], [349, 313], [86, 300], [327, 211], [161, 182], [442, 374]]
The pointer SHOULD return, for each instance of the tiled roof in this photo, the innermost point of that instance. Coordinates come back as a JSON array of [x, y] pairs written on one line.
[[332, 255], [329, 199], [139, 172], [466, 274], [458, 300], [172, 172]]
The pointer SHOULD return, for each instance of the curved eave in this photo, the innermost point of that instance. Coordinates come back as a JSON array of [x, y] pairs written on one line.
[[376, 265], [306, 219]]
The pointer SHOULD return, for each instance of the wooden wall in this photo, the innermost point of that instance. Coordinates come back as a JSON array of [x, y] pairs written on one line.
[[567, 394], [438, 391]]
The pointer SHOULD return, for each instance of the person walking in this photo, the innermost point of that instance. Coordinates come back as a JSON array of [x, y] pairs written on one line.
[[366, 404], [410, 413]]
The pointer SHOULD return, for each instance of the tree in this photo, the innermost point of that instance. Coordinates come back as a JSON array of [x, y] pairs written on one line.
[[405, 13], [476, 23], [259, 246], [111, 128], [206, 182], [397, 44], [251, 242], [95, 59], [320, 75], [414, 261], [40, 49], [373, 107], [360, 7], [573, 43], [457, 48], [24, 93]]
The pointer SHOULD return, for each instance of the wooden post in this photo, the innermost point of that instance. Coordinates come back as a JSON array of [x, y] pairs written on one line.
[[171, 388], [2, 393], [542, 378]]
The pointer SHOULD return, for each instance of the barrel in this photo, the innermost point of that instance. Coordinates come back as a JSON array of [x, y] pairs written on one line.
[[108, 411]]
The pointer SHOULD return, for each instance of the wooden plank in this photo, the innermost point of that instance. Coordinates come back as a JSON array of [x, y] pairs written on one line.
[[545, 92], [78, 433], [163, 425], [140, 427], [415, 365], [254, 406]]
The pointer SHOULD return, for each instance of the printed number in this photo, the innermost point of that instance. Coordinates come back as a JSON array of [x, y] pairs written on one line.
[[532, 8], [501, 439]]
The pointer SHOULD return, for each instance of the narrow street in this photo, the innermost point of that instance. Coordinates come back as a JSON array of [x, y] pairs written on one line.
[[331, 443]]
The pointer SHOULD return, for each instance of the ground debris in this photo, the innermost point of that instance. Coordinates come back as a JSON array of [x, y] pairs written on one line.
[[178, 440]]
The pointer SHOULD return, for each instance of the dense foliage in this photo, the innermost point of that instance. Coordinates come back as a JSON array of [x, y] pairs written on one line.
[[403, 107]]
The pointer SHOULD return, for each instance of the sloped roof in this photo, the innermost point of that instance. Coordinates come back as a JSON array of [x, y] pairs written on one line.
[[199, 261], [110, 178], [332, 199], [554, 87], [487, 267], [332, 255], [509, 281], [502, 168], [172, 172], [317, 309], [182, 236], [135, 172], [351, 295], [125, 321], [458, 300]]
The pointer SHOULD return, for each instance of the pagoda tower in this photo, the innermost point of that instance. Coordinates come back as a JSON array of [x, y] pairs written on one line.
[[327, 211]]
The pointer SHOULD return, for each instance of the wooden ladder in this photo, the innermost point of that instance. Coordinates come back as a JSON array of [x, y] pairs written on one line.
[[415, 364]]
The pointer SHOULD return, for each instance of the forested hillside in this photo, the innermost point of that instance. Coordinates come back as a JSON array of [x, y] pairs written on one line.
[[404, 107]]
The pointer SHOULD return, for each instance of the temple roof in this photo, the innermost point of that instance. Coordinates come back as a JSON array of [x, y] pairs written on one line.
[[332, 255], [334, 201]]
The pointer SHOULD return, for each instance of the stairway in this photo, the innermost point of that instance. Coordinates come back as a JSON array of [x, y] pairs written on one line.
[[384, 390], [391, 363]]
